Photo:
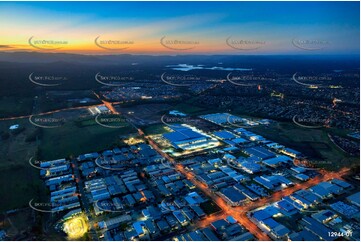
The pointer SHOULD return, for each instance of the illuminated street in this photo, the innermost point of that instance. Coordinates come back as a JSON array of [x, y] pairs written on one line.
[[180, 121], [241, 215]]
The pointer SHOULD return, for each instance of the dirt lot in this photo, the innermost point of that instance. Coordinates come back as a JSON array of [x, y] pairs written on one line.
[[145, 114]]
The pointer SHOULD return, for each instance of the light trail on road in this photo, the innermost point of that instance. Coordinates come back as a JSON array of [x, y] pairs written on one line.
[[227, 210], [109, 105], [241, 216], [50, 112]]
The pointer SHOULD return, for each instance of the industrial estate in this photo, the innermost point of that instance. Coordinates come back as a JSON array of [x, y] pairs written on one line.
[[223, 182], [180, 121]]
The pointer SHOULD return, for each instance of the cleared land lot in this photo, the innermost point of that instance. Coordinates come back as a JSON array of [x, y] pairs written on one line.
[[79, 137], [73, 138], [20, 182], [15, 106], [314, 143]]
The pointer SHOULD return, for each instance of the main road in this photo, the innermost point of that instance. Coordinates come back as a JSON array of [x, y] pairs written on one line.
[[83, 198], [240, 212], [227, 209], [109, 105]]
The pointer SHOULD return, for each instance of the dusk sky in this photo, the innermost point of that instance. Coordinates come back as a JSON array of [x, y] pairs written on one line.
[[142, 25]]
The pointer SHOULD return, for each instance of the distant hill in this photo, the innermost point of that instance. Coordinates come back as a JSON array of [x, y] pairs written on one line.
[[15, 67], [126, 59]]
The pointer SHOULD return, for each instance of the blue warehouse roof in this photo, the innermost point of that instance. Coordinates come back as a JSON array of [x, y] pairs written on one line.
[[261, 215], [224, 135], [285, 205], [271, 223], [260, 152], [355, 198], [233, 195], [182, 134], [292, 151], [317, 228], [277, 160]]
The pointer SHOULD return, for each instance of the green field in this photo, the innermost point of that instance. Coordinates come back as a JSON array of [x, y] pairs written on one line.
[[14, 106], [314, 143], [79, 137], [155, 129], [21, 182], [189, 108], [19, 185]]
